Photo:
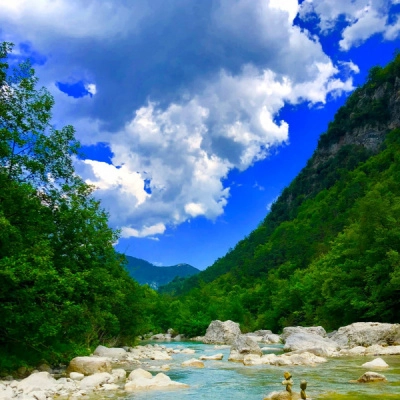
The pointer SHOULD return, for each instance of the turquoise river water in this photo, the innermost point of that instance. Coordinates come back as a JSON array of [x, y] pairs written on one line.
[[223, 380]]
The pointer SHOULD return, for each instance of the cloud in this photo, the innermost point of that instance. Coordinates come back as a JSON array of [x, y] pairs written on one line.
[[258, 186], [182, 94], [157, 229], [364, 18], [183, 152]]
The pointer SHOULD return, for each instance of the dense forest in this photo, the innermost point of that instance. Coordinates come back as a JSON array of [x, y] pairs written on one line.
[[327, 253], [63, 288]]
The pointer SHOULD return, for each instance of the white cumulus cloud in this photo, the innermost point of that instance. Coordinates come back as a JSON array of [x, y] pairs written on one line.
[[364, 18], [183, 94]]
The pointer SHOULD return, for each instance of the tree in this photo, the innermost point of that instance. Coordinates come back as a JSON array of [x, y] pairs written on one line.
[[63, 288]]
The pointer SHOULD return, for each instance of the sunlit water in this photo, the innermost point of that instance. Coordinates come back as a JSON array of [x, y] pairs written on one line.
[[227, 380]]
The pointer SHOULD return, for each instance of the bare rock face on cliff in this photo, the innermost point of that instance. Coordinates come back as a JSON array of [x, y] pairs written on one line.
[[373, 111], [220, 332]]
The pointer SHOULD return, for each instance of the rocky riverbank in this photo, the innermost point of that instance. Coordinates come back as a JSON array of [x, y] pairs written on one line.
[[119, 371]]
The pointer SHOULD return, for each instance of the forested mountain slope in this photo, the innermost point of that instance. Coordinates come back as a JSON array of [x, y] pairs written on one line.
[[357, 132], [328, 252]]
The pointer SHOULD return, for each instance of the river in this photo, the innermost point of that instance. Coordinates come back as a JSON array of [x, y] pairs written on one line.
[[223, 380]]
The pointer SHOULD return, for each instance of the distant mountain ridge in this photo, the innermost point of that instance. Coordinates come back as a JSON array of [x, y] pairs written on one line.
[[145, 272]]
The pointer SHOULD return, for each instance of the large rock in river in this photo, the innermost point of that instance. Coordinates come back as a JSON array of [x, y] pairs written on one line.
[[140, 379], [112, 352], [290, 330], [367, 334], [89, 365], [371, 377], [95, 381], [37, 382], [377, 363], [315, 344], [243, 346], [220, 332]]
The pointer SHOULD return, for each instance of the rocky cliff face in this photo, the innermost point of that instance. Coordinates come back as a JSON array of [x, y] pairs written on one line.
[[371, 132]]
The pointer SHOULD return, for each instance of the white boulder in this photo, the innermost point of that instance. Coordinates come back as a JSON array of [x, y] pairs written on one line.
[[6, 393], [367, 334], [305, 358], [242, 346], [139, 373], [304, 341], [284, 395], [290, 330], [160, 355], [118, 374], [76, 376], [140, 379], [378, 350], [188, 351], [38, 381], [271, 338], [377, 363], [109, 387], [218, 356], [95, 381], [112, 352], [89, 365], [193, 362], [159, 336], [38, 395], [219, 332]]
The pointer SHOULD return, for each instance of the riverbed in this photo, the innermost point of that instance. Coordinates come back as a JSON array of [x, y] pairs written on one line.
[[223, 380]]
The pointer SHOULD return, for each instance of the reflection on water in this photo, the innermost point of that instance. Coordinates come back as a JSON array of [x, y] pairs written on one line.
[[226, 380]]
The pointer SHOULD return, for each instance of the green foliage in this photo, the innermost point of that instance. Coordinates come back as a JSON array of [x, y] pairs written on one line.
[[63, 288]]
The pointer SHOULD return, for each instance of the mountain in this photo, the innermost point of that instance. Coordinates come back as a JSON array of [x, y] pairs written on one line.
[[146, 273], [329, 250]]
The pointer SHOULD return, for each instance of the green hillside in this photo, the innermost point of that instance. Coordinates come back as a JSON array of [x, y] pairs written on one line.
[[328, 252], [149, 274]]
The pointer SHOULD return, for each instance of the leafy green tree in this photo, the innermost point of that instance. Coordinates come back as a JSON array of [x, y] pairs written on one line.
[[63, 288]]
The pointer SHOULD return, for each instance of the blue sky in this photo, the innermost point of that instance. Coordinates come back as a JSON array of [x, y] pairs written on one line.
[[194, 116]]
